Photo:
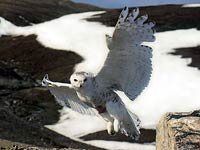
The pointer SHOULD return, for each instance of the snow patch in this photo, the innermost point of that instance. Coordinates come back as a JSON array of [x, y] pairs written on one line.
[[73, 124], [191, 5], [7, 28]]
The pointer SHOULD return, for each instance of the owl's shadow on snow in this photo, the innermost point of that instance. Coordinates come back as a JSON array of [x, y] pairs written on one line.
[[146, 136]]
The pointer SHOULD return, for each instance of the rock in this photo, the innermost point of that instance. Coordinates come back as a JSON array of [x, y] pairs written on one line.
[[179, 131]]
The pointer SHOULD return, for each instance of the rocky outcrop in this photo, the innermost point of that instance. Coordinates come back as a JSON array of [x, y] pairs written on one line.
[[179, 131]]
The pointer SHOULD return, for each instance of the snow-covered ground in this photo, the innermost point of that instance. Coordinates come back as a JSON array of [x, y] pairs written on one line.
[[192, 5], [134, 3], [174, 86]]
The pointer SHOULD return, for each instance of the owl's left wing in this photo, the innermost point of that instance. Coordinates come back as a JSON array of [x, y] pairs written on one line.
[[65, 95], [128, 64]]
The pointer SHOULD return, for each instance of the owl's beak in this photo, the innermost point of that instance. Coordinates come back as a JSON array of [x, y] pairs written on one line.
[[80, 85]]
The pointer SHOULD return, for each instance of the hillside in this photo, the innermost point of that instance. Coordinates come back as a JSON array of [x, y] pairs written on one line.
[[26, 107], [26, 12], [166, 17]]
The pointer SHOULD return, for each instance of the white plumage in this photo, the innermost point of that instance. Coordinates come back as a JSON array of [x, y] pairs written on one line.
[[127, 68]]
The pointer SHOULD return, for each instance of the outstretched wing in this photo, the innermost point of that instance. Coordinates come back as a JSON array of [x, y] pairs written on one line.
[[66, 96], [128, 64]]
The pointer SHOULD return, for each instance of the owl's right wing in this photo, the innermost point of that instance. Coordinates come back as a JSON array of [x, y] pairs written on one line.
[[128, 64], [65, 95]]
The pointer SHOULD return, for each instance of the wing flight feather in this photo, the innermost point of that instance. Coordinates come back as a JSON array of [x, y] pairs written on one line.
[[66, 96], [128, 64]]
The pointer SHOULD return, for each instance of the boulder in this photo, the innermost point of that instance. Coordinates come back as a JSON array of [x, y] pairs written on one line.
[[179, 131]]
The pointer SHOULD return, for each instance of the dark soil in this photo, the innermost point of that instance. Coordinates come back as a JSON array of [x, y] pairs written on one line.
[[15, 129], [167, 17], [190, 52], [26, 12], [24, 56]]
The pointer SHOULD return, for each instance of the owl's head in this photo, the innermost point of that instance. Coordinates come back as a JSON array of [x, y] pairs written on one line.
[[80, 79]]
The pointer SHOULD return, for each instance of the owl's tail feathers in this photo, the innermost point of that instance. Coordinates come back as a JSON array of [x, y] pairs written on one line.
[[130, 125], [135, 119]]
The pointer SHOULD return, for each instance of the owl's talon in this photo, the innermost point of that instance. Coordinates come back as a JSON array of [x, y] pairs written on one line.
[[112, 133]]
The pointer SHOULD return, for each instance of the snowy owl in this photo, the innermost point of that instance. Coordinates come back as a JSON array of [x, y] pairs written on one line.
[[127, 68]]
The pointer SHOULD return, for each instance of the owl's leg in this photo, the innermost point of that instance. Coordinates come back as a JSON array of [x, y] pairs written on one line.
[[110, 128], [112, 110], [116, 125], [124, 121], [110, 123]]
